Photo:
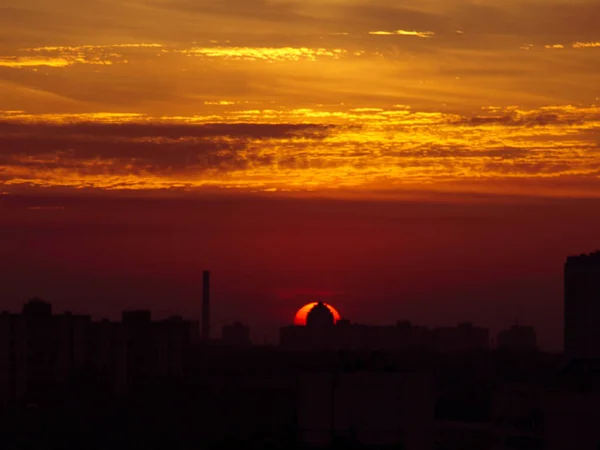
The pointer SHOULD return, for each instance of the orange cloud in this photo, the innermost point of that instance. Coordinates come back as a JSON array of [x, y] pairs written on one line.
[[21, 62], [265, 53], [586, 45], [302, 150], [421, 34]]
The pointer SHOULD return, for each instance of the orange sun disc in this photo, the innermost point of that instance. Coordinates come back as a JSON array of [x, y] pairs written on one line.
[[302, 313]]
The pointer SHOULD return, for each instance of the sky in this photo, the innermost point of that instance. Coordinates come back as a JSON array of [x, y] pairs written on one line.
[[446, 150]]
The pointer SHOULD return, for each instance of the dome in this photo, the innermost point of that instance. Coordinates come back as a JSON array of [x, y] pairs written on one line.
[[320, 316], [302, 313]]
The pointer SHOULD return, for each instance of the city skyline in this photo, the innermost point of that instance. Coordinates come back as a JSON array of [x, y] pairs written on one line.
[[580, 274], [517, 337], [285, 302]]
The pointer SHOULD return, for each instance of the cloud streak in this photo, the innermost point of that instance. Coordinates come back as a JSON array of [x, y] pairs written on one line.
[[265, 53], [389, 149], [25, 62], [420, 34], [586, 45]]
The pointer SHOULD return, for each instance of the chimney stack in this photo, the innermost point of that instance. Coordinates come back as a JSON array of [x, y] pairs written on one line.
[[206, 306]]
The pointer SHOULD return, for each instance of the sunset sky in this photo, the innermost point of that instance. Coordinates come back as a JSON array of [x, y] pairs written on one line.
[[434, 160]]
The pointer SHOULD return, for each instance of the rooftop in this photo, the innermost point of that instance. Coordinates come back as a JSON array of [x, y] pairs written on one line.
[[585, 259]]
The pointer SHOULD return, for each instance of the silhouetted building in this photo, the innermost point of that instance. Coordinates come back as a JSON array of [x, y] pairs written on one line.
[[518, 339], [457, 435], [106, 353], [206, 306], [356, 337], [237, 335], [371, 409], [463, 338], [40, 350], [518, 417], [403, 336], [137, 318], [582, 306], [155, 348], [173, 338], [571, 408]]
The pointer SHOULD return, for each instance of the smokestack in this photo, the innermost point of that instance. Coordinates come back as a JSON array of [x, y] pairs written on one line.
[[206, 305]]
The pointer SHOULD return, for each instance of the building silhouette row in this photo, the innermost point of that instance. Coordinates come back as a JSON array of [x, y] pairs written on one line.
[[39, 349], [328, 384], [322, 332]]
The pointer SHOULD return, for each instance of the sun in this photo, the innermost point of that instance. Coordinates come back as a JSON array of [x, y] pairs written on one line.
[[300, 318]]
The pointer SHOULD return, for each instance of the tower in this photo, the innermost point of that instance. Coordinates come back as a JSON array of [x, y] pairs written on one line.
[[206, 306], [582, 306]]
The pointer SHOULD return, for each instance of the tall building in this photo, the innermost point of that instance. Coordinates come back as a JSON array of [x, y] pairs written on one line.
[[582, 306]]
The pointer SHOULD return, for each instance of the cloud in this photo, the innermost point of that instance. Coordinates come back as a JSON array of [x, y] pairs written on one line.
[[421, 34], [145, 127], [586, 45], [23, 62], [390, 149], [264, 53], [66, 56], [575, 45], [134, 148], [80, 48]]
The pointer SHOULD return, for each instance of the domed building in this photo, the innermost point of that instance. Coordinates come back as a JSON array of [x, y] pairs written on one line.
[[320, 316]]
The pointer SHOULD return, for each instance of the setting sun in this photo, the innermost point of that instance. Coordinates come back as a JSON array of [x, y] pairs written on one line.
[[302, 313]]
